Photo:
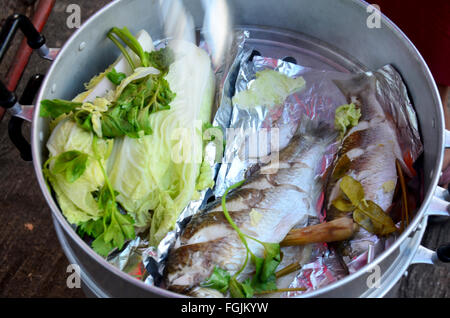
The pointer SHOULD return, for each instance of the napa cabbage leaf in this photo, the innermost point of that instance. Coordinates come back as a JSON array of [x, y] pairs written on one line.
[[160, 171], [76, 198]]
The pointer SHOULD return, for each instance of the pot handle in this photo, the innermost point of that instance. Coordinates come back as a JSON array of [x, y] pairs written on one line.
[[440, 207], [18, 21], [22, 110], [426, 256], [24, 113]]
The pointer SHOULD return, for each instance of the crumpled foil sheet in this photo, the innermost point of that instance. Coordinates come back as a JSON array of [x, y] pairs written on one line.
[[316, 101], [388, 87], [392, 93], [131, 258]]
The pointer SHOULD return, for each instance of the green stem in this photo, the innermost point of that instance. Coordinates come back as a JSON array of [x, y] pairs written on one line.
[[128, 38], [97, 157], [254, 239], [154, 97], [287, 270], [108, 184], [234, 226], [123, 50]]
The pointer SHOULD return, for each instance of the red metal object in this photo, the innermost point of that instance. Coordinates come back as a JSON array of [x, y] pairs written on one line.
[[15, 72]]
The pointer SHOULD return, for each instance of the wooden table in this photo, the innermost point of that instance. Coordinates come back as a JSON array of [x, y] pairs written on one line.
[[32, 263]]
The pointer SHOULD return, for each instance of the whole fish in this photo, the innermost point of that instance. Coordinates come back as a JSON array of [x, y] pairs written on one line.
[[266, 207], [368, 154]]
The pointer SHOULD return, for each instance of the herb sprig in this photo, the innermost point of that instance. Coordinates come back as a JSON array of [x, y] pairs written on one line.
[[116, 77], [129, 114]]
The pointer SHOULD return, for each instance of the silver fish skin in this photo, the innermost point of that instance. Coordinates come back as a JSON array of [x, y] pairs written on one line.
[[266, 207], [368, 153]]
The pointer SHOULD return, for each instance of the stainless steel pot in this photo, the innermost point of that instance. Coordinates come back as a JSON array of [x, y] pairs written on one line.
[[318, 32]]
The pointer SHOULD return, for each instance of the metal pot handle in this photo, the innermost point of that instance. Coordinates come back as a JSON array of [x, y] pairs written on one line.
[[426, 256], [439, 206], [22, 110]]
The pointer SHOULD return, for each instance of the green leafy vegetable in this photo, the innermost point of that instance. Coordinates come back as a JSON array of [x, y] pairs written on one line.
[[84, 119], [161, 59], [115, 77], [101, 246], [93, 228], [77, 199], [270, 88], [71, 163], [139, 132], [241, 290], [219, 280], [365, 212], [346, 117], [129, 115], [264, 277], [177, 136], [57, 107], [117, 227], [84, 192]]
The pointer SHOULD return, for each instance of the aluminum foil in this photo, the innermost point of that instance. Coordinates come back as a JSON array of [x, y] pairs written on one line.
[[389, 89], [131, 258], [317, 101], [393, 95]]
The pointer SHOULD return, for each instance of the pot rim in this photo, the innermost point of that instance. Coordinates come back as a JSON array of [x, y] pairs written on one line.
[[166, 293]]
